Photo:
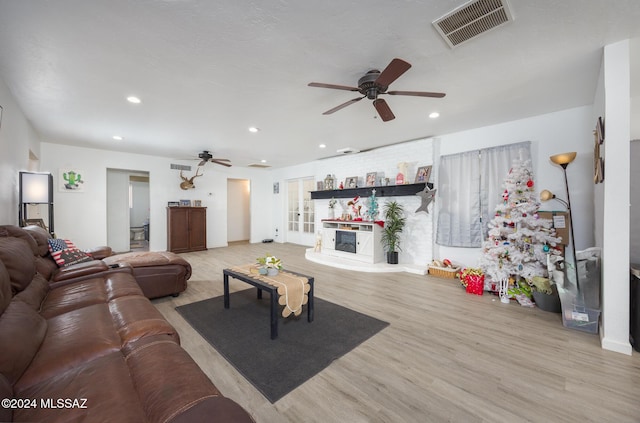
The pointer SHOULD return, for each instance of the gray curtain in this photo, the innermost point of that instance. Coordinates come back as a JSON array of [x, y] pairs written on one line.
[[470, 185]]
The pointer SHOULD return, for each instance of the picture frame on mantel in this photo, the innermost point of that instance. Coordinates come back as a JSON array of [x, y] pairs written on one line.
[[351, 182], [423, 174], [371, 179]]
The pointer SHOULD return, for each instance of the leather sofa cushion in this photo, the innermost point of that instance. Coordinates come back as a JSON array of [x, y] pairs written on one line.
[[6, 414], [98, 290], [22, 331], [5, 288], [35, 292], [135, 317], [72, 339], [41, 237], [167, 379], [150, 258], [18, 232], [106, 384], [46, 267], [18, 259], [81, 269]]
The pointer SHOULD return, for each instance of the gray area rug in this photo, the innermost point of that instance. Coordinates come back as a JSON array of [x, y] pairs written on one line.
[[276, 367]]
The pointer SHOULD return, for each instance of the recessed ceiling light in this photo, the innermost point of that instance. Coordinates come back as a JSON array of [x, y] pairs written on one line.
[[118, 137], [134, 99], [323, 146], [434, 115], [263, 161], [254, 129]]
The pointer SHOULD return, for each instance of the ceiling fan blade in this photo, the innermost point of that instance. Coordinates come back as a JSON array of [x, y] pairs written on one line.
[[392, 72], [383, 109], [221, 162], [333, 86], [417, 93], [343, 105]]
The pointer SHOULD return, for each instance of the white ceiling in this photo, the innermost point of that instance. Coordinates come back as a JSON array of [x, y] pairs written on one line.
[[207, 70]]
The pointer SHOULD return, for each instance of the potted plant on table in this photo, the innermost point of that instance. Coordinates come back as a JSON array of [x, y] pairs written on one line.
[[394, 222], [271, 264]]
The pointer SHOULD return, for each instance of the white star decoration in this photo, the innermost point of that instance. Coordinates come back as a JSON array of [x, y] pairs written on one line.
[[427, 197]]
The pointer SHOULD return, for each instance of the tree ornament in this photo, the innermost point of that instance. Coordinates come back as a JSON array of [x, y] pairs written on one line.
[[530, 183]]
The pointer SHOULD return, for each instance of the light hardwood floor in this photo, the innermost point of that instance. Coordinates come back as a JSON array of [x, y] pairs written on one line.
[[447, 356]]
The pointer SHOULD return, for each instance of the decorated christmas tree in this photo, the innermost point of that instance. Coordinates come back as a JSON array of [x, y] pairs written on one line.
[[519, 242], [372, 210]]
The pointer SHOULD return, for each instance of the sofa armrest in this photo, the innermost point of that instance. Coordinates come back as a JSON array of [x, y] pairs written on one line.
[[86, 270], [101, 252]]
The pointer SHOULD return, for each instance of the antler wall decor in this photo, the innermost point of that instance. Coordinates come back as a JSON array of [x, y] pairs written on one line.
[[187, 183]]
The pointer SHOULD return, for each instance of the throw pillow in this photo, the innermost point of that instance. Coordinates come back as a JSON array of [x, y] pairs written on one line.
[[65, 253]]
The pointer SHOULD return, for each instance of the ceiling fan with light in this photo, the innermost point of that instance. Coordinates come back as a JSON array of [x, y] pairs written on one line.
[[375, 83], [206, 156]]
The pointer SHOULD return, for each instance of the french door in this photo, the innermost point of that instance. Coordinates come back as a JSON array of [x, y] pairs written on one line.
[[300, 211]]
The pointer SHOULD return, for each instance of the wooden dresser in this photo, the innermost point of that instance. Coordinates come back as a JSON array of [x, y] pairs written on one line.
[[186, 229]]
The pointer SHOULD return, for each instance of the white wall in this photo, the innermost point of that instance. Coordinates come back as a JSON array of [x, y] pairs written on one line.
[[615, 238], [81, 216], [558, 132], [416, 241], [17, 138]]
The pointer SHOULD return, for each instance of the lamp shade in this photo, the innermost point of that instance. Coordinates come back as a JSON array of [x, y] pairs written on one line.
[[563, 159], [35, 188]]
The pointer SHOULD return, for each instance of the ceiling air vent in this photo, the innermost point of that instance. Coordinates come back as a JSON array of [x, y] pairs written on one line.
[[472, 19], [259, 165], [180, 167]]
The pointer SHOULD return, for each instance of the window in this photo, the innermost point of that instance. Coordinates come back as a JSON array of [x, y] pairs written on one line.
[[469, 188]]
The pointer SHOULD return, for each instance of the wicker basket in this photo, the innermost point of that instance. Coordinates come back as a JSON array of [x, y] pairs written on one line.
[[444, 272]]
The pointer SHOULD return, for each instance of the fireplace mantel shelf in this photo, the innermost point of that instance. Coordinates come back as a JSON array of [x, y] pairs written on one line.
[[381, 191]]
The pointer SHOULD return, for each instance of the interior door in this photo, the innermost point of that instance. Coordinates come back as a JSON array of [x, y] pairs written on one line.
[[300, 211]]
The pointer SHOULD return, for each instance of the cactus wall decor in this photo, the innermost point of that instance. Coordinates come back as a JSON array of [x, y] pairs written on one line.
[[71, 180]]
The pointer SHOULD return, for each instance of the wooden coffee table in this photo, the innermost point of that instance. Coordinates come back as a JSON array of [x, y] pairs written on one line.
[[272, 290]]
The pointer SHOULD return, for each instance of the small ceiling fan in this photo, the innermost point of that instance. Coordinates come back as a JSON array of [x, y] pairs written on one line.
[[375, 83], [206, 156]]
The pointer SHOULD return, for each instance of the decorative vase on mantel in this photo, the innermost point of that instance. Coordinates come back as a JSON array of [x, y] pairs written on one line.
[[272, 271], [332, 214]]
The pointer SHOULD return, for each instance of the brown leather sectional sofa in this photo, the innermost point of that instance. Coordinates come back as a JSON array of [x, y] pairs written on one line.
[[87, 345], [158, 273]]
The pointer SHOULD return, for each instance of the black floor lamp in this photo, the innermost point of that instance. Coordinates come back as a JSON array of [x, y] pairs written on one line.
[[35, 188], [563, 160]]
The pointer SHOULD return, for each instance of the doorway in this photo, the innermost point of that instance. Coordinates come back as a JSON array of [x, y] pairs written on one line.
[[128, 205], [300, 211], [239, 210]]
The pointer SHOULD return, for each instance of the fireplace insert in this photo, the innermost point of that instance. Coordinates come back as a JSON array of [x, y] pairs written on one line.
[[346, 241]]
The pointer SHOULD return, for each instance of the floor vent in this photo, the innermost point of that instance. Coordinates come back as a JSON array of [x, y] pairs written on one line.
[[180, 167], [472, 19], [259, 165]]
